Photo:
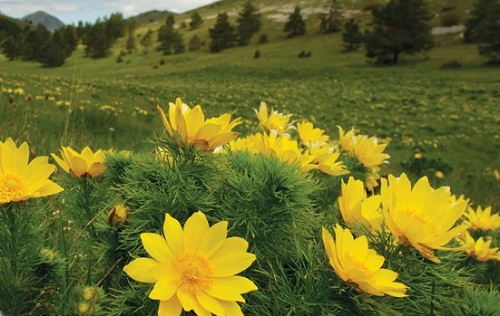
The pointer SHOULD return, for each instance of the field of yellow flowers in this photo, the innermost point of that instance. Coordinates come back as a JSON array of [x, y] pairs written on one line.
[[213, 222], [303, 189]]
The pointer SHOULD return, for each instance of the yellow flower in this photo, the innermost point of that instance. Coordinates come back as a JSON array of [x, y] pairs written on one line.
[[86, 164], [272, 122], [194, 268], [359, 265], [421, 217], [325, 159], [311, 137], [368, 150], [288, 151], [20, 180], [357, 208], [439, 174], [479, 249], [254, 143], [482, 219], [187, 126]]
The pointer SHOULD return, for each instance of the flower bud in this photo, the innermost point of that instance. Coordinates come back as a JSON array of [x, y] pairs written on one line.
[[119, 216], [90, 294], [85, 309]]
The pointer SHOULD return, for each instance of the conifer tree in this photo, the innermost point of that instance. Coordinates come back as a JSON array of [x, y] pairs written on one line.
[[483, 27], [171, 41], [352, 36], [248, 23], [147, 40], [34, 41], [222, 35], [130, 45], [196, 20], [332, 21], [194, 43], [97, 40], [295, 25], [400, 27]]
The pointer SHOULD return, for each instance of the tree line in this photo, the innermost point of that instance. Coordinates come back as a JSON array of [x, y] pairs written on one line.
[[399, 27]]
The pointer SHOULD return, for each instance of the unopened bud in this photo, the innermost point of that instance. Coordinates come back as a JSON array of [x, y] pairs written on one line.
[[85, 309], [119, 216], [90, 294]]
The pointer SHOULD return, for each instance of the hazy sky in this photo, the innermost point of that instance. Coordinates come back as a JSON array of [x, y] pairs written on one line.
[[72, 11]]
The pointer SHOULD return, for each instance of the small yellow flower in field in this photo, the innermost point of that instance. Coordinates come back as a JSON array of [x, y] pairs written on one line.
[[194, 268], [439, 174], [359, 265], [187, 126], [86, 164], [496, 173], [273, 121], [479, 249], [356, 208], [418, 156], [482, 219], [20, 180], [310, 136], [422, 217], [19, 91]]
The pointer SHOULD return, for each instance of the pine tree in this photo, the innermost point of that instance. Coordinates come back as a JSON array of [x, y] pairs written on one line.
[[171, 41], [34, 41], [130, 45], [295, 25], [400, 27], [332, 21], [194, 43], [222, 34], [248, 23], [351, 36], [196, 20], [147, 41], [487, 32], [479, 13], [98, 41]]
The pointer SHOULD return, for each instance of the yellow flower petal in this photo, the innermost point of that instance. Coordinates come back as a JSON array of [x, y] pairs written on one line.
[[231, 263], [157, 247], [165, 288], [230, 288], [194, 229], [213, 238], [174, 235], [138, 269], [210, 303], [232, 308], [172, 307]]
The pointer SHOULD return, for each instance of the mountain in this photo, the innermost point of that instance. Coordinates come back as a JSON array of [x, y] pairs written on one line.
[[40, 17]]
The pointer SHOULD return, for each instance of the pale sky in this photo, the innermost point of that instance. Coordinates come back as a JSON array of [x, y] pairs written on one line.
[[72, 11]]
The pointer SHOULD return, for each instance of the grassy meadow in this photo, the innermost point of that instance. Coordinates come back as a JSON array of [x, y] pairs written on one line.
[[449, 116]]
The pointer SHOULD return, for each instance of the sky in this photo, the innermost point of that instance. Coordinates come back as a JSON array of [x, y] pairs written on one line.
[[72, 11]]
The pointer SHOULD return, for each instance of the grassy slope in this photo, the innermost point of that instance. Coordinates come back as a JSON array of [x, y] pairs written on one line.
[[448, 115]]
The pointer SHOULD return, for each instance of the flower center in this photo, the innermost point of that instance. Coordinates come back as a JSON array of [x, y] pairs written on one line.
[[195, 272], [11, 186], [416, 215]]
